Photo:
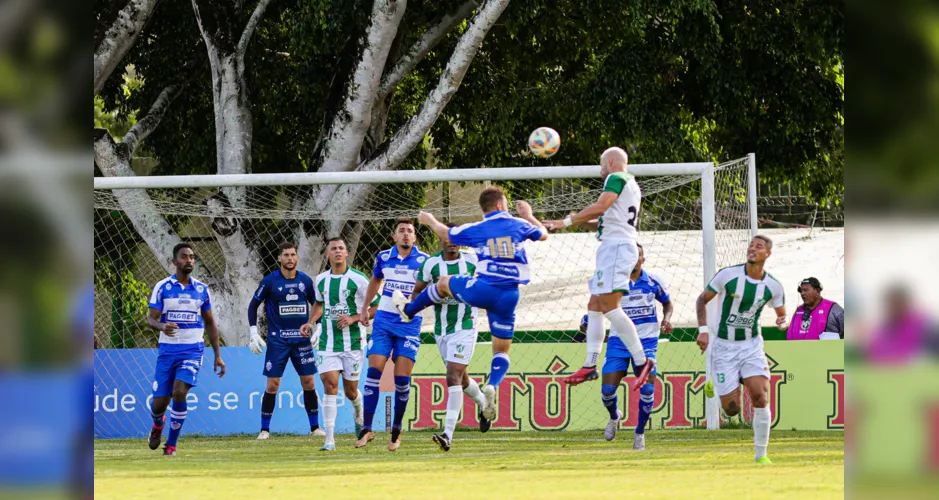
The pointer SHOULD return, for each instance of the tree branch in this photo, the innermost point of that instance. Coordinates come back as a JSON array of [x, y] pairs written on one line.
[[252, 24], [344, 138], [409, 136], [396, 149], [144, 127], [120, 37], [422, 47]]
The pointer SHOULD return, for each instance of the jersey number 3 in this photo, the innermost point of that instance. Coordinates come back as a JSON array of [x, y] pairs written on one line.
[[501, 248]]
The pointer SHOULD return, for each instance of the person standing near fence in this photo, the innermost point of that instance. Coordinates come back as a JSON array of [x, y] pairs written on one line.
[[287, 294], [181, 310]]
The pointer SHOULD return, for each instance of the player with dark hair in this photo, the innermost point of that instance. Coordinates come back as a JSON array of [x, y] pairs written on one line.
[[181, 310]]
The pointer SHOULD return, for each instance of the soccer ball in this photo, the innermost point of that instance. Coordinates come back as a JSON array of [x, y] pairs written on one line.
[[544, 142]]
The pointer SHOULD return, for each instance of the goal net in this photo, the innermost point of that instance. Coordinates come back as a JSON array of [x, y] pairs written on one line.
[[690, 224]]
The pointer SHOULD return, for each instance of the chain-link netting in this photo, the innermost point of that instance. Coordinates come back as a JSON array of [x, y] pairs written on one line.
[[235, 233]]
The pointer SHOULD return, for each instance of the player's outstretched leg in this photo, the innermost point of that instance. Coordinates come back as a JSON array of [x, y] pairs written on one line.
[[497, 371], [611, 402], [409, 308], [471, 389]]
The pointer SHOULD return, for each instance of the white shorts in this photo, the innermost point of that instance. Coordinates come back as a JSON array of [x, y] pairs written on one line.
[[457, 347], [349, 363], [616, 260], [732, 361]]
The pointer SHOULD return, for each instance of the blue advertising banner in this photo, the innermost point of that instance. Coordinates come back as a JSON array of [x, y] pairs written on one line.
[[217, 406]]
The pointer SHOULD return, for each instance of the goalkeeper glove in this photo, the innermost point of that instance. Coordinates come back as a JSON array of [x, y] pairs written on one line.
[[256, 343]]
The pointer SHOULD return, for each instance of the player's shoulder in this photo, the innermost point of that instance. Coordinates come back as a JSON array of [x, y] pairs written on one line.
[[384, 255], [735, 270], [304, 276], [772, 281], [420, 253], [655, 278], [321, 276], [200, 286], [358, 275]]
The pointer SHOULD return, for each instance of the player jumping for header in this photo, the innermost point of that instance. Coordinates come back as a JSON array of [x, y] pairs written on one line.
[[499, 243], [617, 210]]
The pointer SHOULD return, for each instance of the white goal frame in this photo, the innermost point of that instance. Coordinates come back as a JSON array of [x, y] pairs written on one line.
[[705, 170]]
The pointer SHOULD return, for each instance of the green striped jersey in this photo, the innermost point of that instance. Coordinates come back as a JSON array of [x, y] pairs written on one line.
[[742, 299], [342, 294], [451, 316]]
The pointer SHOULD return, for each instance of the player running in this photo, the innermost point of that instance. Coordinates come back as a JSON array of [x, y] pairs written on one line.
[[737, 352], [455, 333], [397, 267], [645, 289], [287, 294], [499, 242], [617, 210], [181, 310]]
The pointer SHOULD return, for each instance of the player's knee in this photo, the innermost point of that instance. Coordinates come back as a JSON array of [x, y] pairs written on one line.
[[351, 393], [759, 400], [179, 394], [455, 378], [647, 389], [273, 385], [443, 286], [731, 408], [308, 383]]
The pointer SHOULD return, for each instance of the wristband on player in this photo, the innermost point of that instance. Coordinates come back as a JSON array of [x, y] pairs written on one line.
[[703, 329], [254, 331], [568, 221]]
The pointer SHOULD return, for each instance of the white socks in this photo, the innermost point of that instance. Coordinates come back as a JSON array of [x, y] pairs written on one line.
[[594, 337], [627, 333], [762, 418], [472, 390], [454, 405], [357, 405], [329, 417]]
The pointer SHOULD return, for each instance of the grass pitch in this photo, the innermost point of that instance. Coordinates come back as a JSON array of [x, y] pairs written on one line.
[[563, 465]]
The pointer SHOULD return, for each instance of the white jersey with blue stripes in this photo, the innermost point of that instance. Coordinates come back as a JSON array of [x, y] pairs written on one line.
[[499, 242], [639, 304], [184, 306]]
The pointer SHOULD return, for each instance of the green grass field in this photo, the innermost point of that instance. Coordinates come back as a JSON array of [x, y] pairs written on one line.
[[563, 465]]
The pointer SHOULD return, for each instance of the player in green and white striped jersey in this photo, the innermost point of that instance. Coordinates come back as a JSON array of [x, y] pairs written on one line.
[[737, 352], [339, 310], [455, 333]]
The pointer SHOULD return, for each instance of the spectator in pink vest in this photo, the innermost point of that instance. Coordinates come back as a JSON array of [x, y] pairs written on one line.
[[816, 315]]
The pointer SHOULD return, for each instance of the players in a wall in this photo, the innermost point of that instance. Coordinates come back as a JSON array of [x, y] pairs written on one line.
[[737, 353], [181, 310], [499, 242], [615, 216], [287, 294], [455, 334], [645, 289], [339, 310], [392, 338]]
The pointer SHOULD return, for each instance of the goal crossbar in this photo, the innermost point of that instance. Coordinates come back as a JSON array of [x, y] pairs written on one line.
[[389, 177]]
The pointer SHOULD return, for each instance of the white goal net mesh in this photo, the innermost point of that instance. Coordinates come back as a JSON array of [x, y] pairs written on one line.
[[235, 233]]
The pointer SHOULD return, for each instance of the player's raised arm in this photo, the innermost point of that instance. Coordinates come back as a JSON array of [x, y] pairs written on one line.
[[439, 228], [525, 212], [586, 218]]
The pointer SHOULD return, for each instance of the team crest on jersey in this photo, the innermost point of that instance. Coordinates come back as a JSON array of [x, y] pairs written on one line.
[[169, 286], [200, 288], [280, 289], [302, 287], [155, 386], [346, 293], [421, 259], [268, 365], [384, 257]]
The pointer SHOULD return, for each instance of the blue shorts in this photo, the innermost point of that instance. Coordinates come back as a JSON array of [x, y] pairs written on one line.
[[498, 301], [183, 365], [300, 353], [618, 357], [392, 338]]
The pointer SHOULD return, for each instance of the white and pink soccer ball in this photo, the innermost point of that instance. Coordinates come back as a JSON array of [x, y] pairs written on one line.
[[544, 142]]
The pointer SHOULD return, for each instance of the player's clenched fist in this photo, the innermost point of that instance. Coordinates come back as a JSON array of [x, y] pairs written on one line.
[[703, 340]]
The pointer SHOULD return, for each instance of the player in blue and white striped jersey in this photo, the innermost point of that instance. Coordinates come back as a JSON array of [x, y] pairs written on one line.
[[181, 310], [645, 289], [499, 242]]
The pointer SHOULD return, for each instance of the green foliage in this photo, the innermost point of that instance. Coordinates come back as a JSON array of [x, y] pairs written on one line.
[[680, 80]]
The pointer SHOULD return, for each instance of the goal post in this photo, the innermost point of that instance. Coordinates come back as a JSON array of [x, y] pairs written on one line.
[[695, 218]]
